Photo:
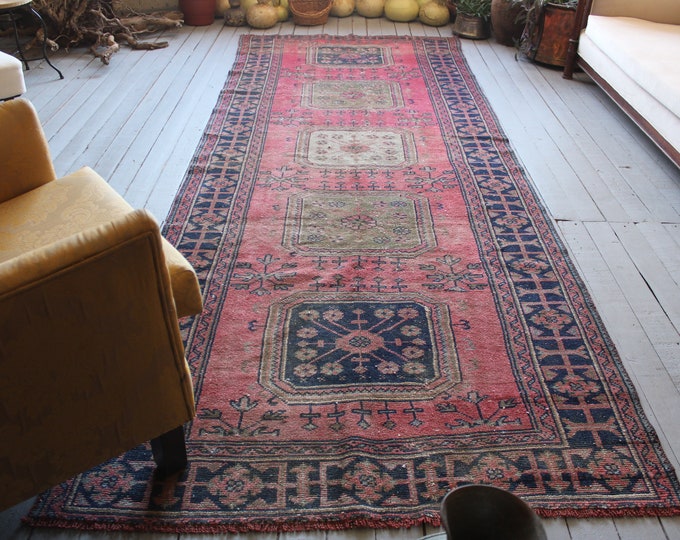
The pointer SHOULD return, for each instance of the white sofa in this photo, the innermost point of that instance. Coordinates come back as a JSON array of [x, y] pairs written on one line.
[[631, 48]]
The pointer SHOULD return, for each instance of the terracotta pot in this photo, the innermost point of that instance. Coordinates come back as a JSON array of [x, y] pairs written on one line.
[[198, 12], [506, 21]]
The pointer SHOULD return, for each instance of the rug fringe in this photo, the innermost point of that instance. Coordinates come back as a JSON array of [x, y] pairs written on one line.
[[320, 524], [220, 528]]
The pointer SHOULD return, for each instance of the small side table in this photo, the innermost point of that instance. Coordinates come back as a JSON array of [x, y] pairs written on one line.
[[12, 8]]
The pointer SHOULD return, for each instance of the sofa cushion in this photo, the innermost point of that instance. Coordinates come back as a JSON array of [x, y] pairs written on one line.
[[68, 206], [650, 59]]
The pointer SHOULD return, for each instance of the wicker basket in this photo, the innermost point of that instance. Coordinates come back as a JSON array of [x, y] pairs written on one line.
[[310, 12]]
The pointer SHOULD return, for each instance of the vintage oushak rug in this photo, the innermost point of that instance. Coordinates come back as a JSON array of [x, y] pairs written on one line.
[[389, 314]]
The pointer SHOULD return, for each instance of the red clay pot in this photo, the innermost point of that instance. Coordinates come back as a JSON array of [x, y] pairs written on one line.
[[198, 12]]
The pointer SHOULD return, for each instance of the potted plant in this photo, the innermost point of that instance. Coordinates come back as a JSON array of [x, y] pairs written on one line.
[[548, 27], [472, 19]]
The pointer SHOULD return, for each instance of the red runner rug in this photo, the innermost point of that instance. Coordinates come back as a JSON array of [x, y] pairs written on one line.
[[389, 314]]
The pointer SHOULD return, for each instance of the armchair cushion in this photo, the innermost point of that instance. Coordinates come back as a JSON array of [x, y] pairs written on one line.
[[68, 205]]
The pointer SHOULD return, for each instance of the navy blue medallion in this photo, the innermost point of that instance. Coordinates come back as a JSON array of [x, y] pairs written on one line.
[[340, 347]]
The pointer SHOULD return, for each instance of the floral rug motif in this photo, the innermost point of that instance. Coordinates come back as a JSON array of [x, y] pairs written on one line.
[[389, 314]]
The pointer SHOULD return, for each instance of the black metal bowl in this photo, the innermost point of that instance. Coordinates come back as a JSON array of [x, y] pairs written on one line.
[[477, 512]]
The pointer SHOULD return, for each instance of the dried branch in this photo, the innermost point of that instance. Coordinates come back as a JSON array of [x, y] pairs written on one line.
[[94, 23]]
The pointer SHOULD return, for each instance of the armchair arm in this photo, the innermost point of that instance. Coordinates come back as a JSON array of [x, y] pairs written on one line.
[[91, 355], [24, 152]]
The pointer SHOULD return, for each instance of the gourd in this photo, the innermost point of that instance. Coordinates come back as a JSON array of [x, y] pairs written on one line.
[[247, 4], [433, 13], [342, 8], [401, 10], [262, 15], [282, 12], [221, 7], [370, 8]]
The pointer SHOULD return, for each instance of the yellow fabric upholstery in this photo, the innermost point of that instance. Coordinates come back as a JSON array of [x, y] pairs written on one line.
[[70, 204], [35, 209], [91, 355], [24, 153]]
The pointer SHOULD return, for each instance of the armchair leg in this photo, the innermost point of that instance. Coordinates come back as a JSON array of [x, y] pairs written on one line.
[[169, 452]]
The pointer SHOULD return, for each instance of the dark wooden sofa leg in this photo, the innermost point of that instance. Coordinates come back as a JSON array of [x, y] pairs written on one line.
[[169, 452]]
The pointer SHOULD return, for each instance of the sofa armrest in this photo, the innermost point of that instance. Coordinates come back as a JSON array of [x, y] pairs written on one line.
[[91, 354], [24, 152]]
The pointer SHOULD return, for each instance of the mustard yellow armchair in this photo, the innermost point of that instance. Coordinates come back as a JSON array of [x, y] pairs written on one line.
[[91, 358]]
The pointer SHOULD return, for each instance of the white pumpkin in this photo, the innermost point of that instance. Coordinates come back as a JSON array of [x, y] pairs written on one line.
[[433, 13], [342, 8], [262, 15], [370, 8], [402, 10]]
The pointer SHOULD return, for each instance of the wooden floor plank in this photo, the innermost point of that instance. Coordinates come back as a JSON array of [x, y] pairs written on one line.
[[51, 93], [73, 148], [651, 317], [648, 192], [357, 534], [637, 528], [615, 203], [137, 134], [168, 156], [344, 25], [662, 284], [671, 528], [594, 529], [504, 85], [556, 529], [629, 144], [313, 535], [664, 240]]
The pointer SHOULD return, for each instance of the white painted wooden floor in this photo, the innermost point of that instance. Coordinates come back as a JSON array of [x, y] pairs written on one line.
[[614, 197]]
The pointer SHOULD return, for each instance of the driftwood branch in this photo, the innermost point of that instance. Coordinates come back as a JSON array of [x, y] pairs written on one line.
[[94, 23]]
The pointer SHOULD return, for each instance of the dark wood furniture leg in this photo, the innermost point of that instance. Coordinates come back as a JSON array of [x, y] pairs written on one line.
[[582, 12], [169, 452]]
